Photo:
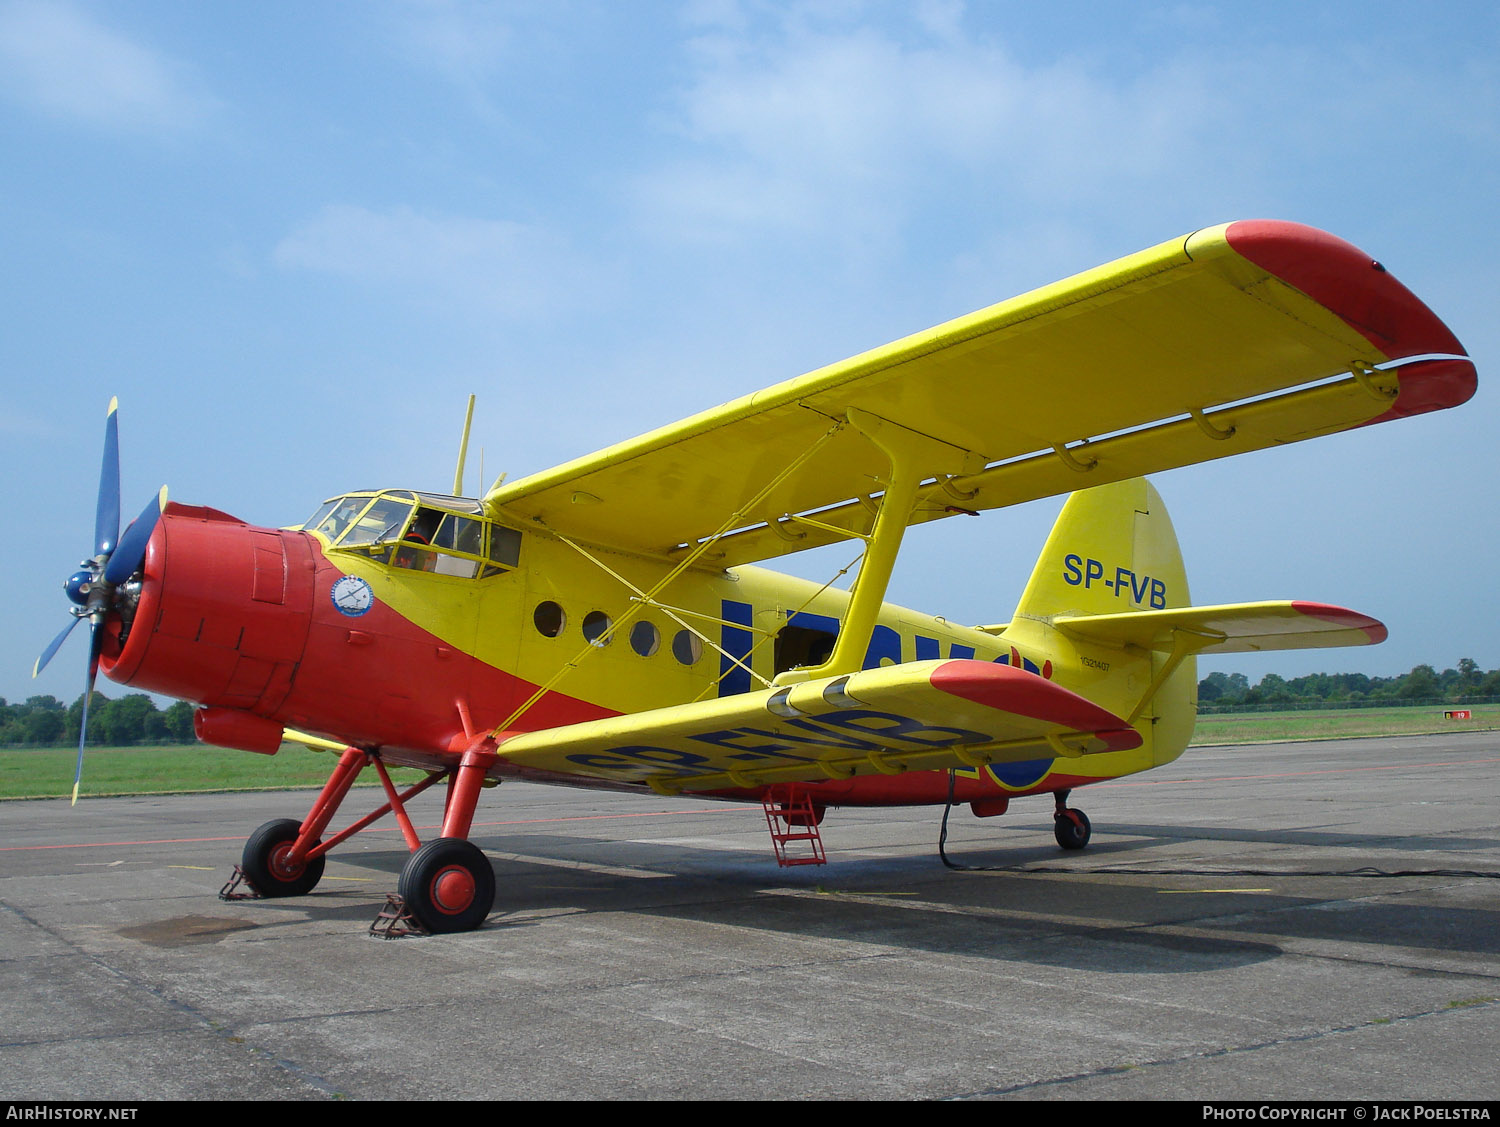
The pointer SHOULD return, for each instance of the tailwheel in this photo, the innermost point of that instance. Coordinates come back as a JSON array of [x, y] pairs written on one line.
[[267, 861], [448, 885], [1071, 828]]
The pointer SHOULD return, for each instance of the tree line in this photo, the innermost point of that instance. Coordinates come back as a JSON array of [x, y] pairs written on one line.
[[44, 721], [1465, 684]]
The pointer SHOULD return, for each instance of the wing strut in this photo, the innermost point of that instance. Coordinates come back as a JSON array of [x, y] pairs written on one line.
[[914, 458], [648, 598]]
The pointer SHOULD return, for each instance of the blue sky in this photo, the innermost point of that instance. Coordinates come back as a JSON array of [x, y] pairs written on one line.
[[292, 238]]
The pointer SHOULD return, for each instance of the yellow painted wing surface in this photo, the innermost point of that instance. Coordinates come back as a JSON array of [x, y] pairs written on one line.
[[1232, 628], [920, 715], [1232, 339]]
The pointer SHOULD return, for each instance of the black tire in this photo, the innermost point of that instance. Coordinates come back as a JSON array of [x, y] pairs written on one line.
[[448, 885], [1072, 829], [265, 866]]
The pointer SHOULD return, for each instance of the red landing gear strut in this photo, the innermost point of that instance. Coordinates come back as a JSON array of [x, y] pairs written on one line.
[[447, 884]]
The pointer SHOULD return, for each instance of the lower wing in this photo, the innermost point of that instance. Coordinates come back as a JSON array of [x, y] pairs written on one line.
[[922, 715]]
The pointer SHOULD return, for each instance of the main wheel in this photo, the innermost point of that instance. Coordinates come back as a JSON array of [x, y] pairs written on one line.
[[1071, 828], [267, 862], [449, 885]]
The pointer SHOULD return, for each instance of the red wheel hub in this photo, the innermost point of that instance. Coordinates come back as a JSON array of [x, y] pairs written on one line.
[[281, 864], [453, 890]]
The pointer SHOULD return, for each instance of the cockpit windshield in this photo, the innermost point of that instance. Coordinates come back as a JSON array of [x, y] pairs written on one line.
[[418, 532]]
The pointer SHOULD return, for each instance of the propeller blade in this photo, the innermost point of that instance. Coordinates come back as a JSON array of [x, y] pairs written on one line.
[[95, 637], [41, 662], [107, 515], [127, 558]]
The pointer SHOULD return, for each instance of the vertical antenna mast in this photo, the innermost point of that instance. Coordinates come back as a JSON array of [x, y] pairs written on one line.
[[463, 450]]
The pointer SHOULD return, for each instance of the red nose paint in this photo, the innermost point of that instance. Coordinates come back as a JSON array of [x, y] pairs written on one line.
[[224, 612]]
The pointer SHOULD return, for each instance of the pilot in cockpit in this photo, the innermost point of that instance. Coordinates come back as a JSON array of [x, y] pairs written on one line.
[[413, 552]]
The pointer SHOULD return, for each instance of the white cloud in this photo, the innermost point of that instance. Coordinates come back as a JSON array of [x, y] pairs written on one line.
[[849, 127], [811, 127], [62, 61], [511, 268]]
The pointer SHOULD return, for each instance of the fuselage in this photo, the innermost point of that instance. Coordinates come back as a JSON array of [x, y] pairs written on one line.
[[412, 624]]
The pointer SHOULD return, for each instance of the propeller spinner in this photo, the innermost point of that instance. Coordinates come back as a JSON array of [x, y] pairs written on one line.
[[103, 583]]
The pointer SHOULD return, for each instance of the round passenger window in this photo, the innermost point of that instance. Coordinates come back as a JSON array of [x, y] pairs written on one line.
[[687, 647], [645, 638], [595, 625], [549, 619]]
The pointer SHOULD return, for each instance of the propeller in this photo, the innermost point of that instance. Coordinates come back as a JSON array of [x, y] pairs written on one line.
[[105, 582]]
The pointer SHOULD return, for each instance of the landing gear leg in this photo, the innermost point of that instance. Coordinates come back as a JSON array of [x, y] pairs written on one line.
[[1070, 827], [449, 884], [276, 858]]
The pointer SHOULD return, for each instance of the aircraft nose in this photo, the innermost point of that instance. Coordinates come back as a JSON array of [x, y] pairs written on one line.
[[223, 613]]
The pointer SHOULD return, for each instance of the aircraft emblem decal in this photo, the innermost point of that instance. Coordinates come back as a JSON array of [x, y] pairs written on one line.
[[352, 596]]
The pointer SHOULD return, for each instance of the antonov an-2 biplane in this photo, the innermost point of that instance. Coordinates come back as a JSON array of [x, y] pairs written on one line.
[[601, 624]]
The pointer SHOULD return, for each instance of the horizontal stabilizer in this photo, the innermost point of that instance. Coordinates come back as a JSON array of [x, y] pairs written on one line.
[[922, 715], [1233, 628]]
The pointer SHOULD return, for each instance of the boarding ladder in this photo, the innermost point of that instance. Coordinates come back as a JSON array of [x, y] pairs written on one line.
[[792, 817]]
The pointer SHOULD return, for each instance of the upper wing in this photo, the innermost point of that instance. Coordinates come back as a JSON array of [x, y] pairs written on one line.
[[928, 715], [1231, 339], [1233, 628]]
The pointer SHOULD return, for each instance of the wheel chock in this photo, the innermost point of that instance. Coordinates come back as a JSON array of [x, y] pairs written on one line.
[[395, 922], [238, 887]]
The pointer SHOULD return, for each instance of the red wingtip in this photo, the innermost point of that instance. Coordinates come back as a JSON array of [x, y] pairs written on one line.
[[1342, 616], [1027, 694], [1355, 287]]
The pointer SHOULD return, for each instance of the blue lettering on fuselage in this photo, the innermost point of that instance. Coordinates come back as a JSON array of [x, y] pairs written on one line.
[[1140, 589]]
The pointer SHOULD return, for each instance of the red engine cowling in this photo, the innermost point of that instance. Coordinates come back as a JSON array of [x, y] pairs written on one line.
[[223, 613]]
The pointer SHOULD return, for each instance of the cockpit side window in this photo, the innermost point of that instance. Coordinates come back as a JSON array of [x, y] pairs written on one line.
[[462, 534], [405, 531], [505, 546]]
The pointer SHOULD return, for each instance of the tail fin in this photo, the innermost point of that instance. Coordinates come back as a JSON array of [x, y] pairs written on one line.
[[1113, 551], [1109, 600]]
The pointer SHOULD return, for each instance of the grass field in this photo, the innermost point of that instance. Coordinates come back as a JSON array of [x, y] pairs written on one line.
[[48, 772], [1335, 724]]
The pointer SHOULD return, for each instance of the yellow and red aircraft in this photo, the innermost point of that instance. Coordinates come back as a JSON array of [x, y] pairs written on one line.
[[601, 624]]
